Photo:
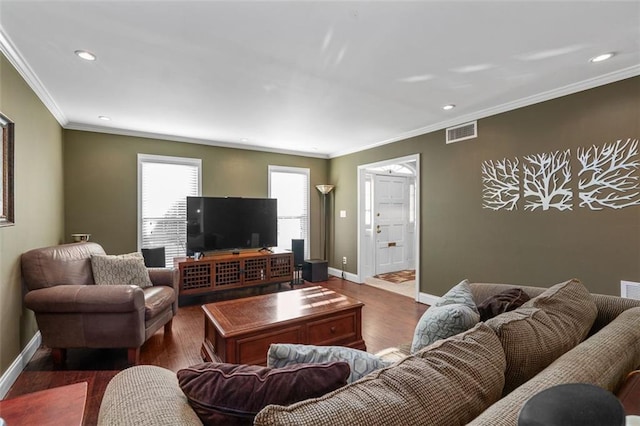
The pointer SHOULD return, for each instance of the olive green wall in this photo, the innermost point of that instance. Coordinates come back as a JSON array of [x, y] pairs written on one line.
[[101, 182], [38, 204], [459, 239]]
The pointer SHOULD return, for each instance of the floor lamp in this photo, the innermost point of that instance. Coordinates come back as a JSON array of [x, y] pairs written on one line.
[[324, 190]]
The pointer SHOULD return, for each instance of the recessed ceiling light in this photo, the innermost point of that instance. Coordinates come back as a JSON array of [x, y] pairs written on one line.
[[448, 107], [86, 55], [104, 117], [244, 140], [602, 57]]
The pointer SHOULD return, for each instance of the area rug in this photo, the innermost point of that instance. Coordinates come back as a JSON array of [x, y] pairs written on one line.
[[398, 277]]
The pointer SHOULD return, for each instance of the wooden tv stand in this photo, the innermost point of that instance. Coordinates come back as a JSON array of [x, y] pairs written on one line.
[[226, 271]]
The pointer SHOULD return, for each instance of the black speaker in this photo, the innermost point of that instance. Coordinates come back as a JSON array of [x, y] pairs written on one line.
[[154, 257], [315, 270], [297, 247]]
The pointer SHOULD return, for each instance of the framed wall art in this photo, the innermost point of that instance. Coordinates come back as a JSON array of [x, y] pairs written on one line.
[[6, 163]]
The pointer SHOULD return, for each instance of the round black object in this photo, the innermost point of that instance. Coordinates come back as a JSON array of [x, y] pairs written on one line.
[[573, 404]]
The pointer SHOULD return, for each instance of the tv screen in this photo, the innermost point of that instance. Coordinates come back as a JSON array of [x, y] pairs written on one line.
[[221, 223]]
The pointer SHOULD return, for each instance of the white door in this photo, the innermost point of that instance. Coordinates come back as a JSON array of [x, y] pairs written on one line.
[[390, 223]]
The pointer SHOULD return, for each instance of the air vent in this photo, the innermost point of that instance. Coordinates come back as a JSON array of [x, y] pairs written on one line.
[[630, 289], [462, 132]]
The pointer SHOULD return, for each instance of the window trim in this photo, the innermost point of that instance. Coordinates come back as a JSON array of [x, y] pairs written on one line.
[[164, 159], [303, 171]]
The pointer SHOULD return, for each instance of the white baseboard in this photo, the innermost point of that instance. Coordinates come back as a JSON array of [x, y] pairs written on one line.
[[11, 375], [427, 299], [347, 275]]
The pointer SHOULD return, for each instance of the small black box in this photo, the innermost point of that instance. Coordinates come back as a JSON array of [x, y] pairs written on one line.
[[315, 270]]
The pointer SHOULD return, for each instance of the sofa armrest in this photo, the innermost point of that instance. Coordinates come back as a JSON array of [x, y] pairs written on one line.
[[169, 277], [162, 276], [148, 395], [86, 299]]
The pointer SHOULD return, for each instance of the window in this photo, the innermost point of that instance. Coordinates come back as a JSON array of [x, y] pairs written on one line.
[[163, 186], [290, 186]]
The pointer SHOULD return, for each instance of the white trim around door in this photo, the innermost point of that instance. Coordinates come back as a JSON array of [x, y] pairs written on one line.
[[365, 169]]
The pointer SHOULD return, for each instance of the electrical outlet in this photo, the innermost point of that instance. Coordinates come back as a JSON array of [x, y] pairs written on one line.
[[344, 260]]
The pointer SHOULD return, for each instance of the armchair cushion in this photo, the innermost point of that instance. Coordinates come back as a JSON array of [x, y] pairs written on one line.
[[121, 269]]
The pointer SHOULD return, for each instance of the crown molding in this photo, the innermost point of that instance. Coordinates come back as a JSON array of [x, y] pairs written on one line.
[[174, 138], [15, 58], [509, 106]]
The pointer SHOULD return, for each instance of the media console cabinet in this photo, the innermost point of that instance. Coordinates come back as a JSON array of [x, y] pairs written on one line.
[[226, 271]]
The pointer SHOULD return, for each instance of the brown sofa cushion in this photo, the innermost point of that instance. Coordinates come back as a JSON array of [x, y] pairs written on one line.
[[603, 360], [500, 303], [229, 394], [544, 328], [450, 382]]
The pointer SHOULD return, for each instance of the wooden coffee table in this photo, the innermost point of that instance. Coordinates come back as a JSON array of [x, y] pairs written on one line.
[[240, 331], [63, 405]]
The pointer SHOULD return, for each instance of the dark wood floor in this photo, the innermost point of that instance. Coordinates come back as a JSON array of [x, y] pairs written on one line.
[[388, 319]]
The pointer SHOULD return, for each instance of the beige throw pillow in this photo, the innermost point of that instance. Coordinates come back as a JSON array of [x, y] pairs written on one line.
[[544, 328], [125, 269]]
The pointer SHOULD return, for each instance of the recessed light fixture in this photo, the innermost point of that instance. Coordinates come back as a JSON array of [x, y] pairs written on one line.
[[86, 55], [244, 140], [602, 57], [104, 118], [448, 107]]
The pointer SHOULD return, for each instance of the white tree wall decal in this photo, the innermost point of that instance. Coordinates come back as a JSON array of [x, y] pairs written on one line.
[[546, 181], [501, 184], [609, 175]]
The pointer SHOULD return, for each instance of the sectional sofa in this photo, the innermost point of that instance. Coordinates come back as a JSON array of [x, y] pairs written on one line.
[[482, 376]]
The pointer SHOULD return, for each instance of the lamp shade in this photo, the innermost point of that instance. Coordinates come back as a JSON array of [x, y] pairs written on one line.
[[325, 189]]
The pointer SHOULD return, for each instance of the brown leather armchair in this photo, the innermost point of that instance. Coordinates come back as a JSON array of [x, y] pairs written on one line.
[[72, 312]]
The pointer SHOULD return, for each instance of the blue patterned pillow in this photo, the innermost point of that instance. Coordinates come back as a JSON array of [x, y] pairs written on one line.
[[440, 322], [360, 362], [461, 294]]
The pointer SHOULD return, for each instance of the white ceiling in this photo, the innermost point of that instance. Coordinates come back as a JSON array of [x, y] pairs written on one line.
[[314, 78]]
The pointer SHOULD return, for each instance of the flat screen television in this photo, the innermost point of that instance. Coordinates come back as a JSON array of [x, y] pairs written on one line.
[[225, 223]]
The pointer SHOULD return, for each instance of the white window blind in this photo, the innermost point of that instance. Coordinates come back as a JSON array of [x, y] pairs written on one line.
[[163, 186], [290, 186]]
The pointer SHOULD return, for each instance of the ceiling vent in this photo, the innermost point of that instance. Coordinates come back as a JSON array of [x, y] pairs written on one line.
[[462, 132], [630, 289]]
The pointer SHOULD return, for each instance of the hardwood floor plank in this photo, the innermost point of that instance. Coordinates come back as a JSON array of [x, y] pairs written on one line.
[[388, 319]]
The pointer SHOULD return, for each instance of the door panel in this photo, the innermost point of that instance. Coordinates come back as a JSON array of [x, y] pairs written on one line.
[[390, 221]]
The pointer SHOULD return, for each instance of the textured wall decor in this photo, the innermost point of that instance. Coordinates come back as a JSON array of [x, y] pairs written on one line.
[[500, 184], [609, 175], [546, 181]]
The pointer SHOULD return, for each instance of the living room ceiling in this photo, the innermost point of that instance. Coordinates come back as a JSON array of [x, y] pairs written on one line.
[[314, 78]]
